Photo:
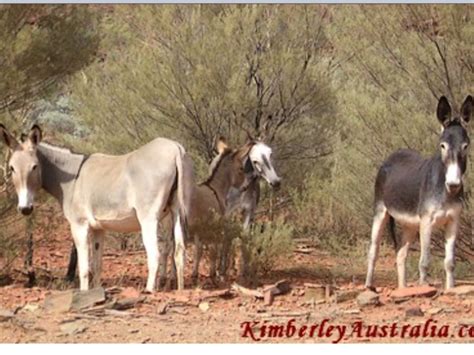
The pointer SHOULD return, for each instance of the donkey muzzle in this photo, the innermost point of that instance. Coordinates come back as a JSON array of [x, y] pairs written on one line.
[[26, 211], [453, 188], [276, 184]]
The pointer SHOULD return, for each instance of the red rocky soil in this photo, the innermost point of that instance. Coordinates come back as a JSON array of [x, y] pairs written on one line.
[[200, 315]]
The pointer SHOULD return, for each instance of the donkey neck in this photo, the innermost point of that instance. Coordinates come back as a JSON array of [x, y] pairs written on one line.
[[434, 189], [220, 181], [59, 170]]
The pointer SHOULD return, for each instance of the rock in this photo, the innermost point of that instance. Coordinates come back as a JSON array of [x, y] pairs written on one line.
[[461, 291], [314, 292], [162, 308], [414, 312], [416, 291], [86, 299], [72, 328], [278, 288], [343, 296], [434, 311], [31, 307], [368, 298], [204, 306], [73, 300], [59, 302], [128, 303], [5, 315]]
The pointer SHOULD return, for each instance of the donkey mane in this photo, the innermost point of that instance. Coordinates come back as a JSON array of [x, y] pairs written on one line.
[[455, 122], [216, 166], [225, 154], [58, 149]]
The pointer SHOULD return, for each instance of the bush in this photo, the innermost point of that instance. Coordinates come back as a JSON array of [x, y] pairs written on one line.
[[267, 244]]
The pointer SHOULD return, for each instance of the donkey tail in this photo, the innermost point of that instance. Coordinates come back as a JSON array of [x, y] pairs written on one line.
[[185, 182], [393, 235]]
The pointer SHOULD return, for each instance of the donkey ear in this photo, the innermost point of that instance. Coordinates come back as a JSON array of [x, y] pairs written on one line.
[[7, 138], [466, 109], [221, 145], [35, 135], [443, 112]]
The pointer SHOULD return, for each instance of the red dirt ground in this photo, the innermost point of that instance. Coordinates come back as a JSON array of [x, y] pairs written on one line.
[[224, 320]]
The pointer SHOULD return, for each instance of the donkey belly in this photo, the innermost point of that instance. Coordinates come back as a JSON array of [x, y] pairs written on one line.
[[398, 185], [405, 218], [124, 223]]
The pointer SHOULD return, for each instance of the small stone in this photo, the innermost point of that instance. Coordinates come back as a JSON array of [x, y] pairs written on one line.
[[5, 315], [414, 312], [73, 328], [86, 299], [162, 308], [368, 298], [59, 302], [31, 307], [204, 306], [343, 296], [315, 293], [416, 291], [434, 311], [133, 331]]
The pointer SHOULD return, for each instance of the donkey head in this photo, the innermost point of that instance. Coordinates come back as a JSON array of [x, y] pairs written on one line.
[[260, 162], [24, 166], [454, 142]]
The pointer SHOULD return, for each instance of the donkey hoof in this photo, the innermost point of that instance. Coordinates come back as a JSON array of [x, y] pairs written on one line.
[[371, 288], [162, 284], [173, 285]]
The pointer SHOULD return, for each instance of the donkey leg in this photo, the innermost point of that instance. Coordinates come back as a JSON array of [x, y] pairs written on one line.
[[425, 239], [449, 260], [71, 269], [197, 259], [80, 235], [408, 236], [173, 277], [150, 241], [380, 220], [225, 257], [164, 248], [97, 247], [179, 251], [213, 261]]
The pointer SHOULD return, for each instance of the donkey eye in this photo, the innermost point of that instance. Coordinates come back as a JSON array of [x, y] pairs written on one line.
[[443, 146], [34, 167], [12, 169], [464, 146]]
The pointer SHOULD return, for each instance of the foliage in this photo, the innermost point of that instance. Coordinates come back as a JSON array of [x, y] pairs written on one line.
[[267, 244], [194, 73]]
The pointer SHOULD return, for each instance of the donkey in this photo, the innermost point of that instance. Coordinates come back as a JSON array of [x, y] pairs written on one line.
[[246, 198], [99, 193], [231, 171], [423, 194]]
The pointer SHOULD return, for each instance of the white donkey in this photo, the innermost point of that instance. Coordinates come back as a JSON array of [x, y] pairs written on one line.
[[99, 193]]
